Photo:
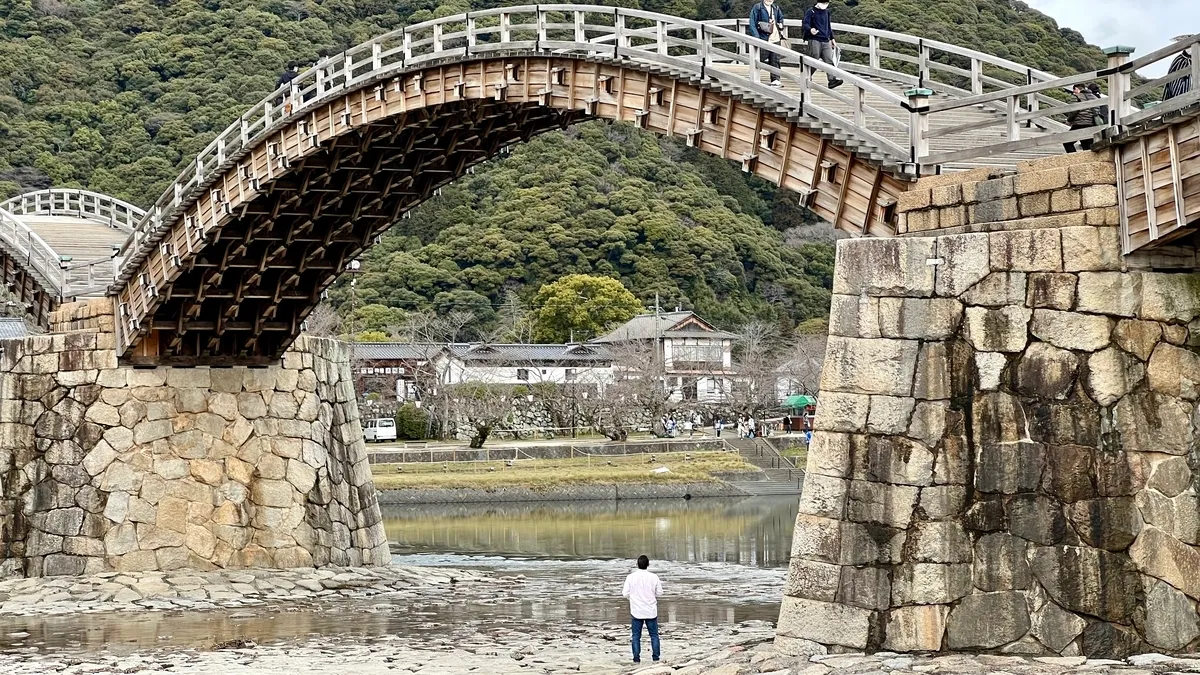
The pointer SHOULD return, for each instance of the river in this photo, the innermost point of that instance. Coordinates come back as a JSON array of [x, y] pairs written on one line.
[[720, 560]]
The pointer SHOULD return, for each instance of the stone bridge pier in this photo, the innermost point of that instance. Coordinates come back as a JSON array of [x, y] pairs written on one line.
[[111, 467], [1007, 449]]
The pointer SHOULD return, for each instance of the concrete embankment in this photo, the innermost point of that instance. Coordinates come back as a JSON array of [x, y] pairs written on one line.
[[605, 491], [565, 450]]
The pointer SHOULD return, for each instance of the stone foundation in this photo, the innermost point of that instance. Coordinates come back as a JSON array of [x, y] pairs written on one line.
[[109, 467], [1007, 446]]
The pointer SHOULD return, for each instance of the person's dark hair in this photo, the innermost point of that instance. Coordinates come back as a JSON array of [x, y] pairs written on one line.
[[1094, 88], [643, 562]]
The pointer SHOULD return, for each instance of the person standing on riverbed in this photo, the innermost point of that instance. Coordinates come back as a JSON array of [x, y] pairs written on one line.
[[643, 589]]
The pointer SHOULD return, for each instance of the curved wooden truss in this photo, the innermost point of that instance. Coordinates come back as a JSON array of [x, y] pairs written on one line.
[[237, 274]]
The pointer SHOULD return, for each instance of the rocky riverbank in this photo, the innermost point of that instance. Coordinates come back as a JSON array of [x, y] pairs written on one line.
[[568, 493]]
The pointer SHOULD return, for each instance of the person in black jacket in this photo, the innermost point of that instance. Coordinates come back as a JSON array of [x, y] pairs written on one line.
[[766, 23], [818, 30], [1081, 119]]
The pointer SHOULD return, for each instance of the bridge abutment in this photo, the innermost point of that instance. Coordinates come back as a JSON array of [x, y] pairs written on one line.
[[1006, 451], [110, 467]]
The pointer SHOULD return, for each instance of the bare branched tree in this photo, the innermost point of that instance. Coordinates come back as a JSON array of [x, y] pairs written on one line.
[[482, 406], [639, 394], [759, 352], [323, 321], [801, 371], [514, 321]]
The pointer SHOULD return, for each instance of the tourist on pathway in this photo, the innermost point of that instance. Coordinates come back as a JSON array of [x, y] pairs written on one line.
[[818, 30], [1182, 62], [643, 588], [766, 23], [718, 426], [1082, 119], [787, 424]]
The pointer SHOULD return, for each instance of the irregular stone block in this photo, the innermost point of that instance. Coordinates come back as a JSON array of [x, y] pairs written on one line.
[[1069, 330], [827, 623], [998, 289], [928, 422], [919, 318], [869, 366], [1170, 297], [1046, 372], [828, 455], [1102, 640], [1000, 563], [1071, 471], [996, 211], [966, 262], [1175, 372], [987, 514], [1170, 476], [823, 496], [987, 620], [1029, 182], [866, 587], [930, 583], [998, 330], [1099, 196], [812, 580], [1026, 251], [1116, 293], [915, 629], [989, 369], [943, 501], [942, 541], [1111, 373], [1009, 468], [889, 414], [854, 316], [884, 267], [1055, 627], [1110, 523], [1037, 519], [1153, 422], [1162, 556], [1171, 622], [881, 503], [1051, 290], [892, 459], [842, 412], [1088, 580]]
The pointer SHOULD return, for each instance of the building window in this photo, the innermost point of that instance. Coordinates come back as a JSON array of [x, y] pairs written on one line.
[[570, 374], [523, 374]]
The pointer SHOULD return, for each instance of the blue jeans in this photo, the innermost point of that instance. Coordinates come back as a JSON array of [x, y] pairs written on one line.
[[652, 625]]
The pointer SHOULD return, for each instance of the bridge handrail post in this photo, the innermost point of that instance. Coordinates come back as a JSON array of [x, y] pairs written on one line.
[[1120, 104], [661, 37], [976, 76], [619, 38], [873, 52], [918, 125], [922, 64], [1011, 127], [580, 33]]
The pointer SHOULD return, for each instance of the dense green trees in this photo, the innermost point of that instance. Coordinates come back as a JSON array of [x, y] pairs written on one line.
[[119, 96], [579, 307]]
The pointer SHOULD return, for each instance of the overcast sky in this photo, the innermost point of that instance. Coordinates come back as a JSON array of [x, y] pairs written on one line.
[[1145, 24]]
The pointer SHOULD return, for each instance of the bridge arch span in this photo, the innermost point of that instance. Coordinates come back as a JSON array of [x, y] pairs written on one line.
[[231, 271]]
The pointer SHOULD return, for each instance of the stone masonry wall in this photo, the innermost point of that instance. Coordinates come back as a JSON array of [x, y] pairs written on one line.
[[1007, 453], [109, 467]]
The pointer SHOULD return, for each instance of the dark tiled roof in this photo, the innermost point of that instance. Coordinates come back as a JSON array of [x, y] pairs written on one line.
[[12, 327], [467, 351], [650, 327]]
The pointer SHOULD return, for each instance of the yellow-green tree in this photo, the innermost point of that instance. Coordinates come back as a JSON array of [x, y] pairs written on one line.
[[581, 306]]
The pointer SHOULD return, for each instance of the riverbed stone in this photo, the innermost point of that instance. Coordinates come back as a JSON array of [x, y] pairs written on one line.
[[987, 620]]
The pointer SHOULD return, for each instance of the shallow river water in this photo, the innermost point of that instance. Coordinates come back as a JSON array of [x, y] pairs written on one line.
[[722, 563]]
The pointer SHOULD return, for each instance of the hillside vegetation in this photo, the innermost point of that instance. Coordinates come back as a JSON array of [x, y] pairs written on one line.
[[118, 96]]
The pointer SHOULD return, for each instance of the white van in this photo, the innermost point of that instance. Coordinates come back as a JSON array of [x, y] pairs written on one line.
[[381, 429]]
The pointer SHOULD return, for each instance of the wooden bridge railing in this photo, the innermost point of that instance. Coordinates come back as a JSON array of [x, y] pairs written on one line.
[[100, 208], [700, 50], [31, 252]]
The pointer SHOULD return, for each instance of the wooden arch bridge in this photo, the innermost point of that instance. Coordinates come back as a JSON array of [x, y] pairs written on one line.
[[227, 264]]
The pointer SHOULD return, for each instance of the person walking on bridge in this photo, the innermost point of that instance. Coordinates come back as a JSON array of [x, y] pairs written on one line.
[[1183, 62], [643, 589], [1082, 119], [766, 23], [818, 30]]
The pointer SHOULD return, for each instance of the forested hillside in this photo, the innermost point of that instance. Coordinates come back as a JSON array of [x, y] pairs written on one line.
[[117, 96]]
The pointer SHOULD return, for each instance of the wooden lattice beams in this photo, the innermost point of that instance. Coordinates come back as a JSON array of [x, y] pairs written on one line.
[[242, 267], [1159, 185]]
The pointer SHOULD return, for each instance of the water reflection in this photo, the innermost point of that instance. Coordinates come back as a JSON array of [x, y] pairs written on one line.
[[755, 531]]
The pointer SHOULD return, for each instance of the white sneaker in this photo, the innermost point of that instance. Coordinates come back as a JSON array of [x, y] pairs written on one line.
[[776, 83]]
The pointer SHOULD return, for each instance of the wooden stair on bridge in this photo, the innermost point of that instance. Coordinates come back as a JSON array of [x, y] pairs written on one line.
[[82, 241]]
